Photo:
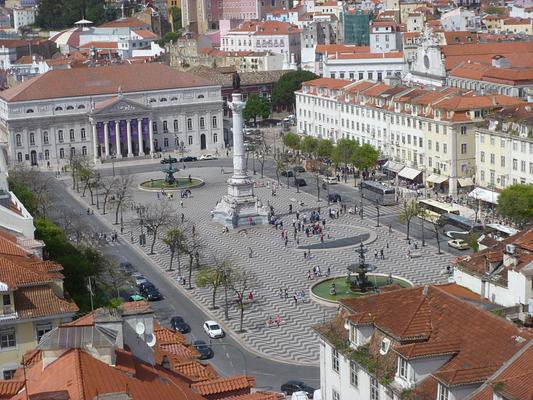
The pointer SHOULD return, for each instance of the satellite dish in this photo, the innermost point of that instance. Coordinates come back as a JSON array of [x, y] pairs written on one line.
[[140, 328], [150, 340]]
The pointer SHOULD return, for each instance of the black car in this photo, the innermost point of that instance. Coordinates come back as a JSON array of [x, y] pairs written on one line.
[[146, 286], [188, 158], [169, 160], [334, 197], [287, 173], [298, 168], [126, 266], [204, 350], [300, 182], [179, 324], [297, 386], [153, 294]]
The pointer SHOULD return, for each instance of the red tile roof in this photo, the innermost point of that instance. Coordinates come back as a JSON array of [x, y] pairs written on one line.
[[102, 80], [267, 28], [125, 23], [145, 34], [520, 54], [41, 301], [100, 45], [222, 385], [10, 388], [329, 83]]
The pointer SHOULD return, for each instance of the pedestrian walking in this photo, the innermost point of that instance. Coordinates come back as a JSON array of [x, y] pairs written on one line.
[[181, 203], [277, 320], [286, 293], [308, 274], [182, 217], [390, 228], [280, 293], [305, 255], [382, 253], [250, 252], [409, 253], [295, 298], [251, 296], [222, 170], [387, 245], [286, 241], [329, 271]]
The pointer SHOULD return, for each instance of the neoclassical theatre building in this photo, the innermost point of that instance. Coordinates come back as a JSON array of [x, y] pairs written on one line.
[[130, 110]]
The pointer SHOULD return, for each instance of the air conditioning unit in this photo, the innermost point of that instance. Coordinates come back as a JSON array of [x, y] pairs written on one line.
[[509, 248]]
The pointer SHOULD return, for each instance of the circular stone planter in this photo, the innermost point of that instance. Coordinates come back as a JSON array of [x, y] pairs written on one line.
[[320, 290], [181, 183]]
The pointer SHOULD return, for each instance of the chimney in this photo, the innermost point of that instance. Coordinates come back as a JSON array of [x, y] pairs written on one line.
[[425, 291]]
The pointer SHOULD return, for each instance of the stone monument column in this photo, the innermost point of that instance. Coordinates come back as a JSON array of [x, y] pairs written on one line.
[[237, 107]]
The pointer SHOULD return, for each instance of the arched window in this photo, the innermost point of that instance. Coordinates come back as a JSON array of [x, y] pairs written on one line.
[[152, 100], [47, 154], [32, 139], [176, 141], [190, 139], [71, 135], [189, 124], [29, 111], [72, 151], [18, 139], [60, 136], [45, 137], [163, 99], [70, 108], [176, 125], [202, 123], [214, 121], [84, 150], [165, 127], [215, 138], [83, 134], [200, 96], [58, 108], [174, 98], [165, 142], [19, 157], [81, 107], [61, 153]]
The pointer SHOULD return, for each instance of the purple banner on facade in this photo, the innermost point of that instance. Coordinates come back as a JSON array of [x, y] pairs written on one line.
[[145, 129], [134, 136], [112, 131], [100, 132], [123, 129]]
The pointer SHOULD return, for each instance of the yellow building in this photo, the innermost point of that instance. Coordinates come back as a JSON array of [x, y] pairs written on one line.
[[504, 148], [517, 25], [33, 302]]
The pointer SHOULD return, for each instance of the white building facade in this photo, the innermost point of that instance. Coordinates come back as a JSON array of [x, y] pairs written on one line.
[[359, 66], [119, 111]]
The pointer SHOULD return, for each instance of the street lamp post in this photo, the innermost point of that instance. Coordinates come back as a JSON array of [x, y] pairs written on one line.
[[121, 221], [377, 209], [423, 219], [113, 163], [97, 187]]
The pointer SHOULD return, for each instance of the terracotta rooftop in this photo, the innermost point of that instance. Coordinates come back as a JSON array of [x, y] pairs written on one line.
[[340, 48], [41, 301], [267, 28], [145, 34], [125, 23], [430, 321], [9, 388], [100, 45], [226, 384], [329, 83], [102, 80], [520, 54]]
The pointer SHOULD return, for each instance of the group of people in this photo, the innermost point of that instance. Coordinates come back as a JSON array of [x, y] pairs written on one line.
[[317, 273], [106, 237]]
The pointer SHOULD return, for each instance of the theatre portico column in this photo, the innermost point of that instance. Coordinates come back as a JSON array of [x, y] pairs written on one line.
[[118, 150], [140, 136], [128, 133], [95, 140], [151, 136], [106, 138]]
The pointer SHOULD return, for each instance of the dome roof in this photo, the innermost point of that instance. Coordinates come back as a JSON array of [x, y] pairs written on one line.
[[70, 37]]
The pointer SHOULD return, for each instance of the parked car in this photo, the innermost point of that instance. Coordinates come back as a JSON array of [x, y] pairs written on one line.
[[298, 168], [125, 266], [330, 180], [179, 324], [459, 244], [334, 197], [213, 330], [188, 158], [138, 278], [207, 157], [204, 350], [146, 286], [290, 387], [288, 173], [152, 294], [300, 182], [135, 297], [169, 160]]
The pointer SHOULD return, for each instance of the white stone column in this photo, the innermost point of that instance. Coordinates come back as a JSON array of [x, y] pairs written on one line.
[[95, 141], [140, 136], [106, 138], [118, 150], [151, 134], [128, 133], [237, 107]]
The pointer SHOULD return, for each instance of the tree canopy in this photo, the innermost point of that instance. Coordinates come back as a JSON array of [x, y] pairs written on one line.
[[365, 156], [291, 140], [256, 106], [61, 14], [175, 12], [516, 203], [283, 91]]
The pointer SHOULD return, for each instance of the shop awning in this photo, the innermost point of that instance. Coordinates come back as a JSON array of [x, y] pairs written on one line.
[[409, 173], [485, 195], [434, 178], [393, 166], [465, 182]]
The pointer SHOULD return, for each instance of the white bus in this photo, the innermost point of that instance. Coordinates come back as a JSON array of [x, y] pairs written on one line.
[[432, 210], [378, 193]]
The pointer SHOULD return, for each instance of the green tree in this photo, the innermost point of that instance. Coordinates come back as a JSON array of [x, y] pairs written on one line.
[[170, 37], [516, 203], [283, 91], [175, 12], [291, 140], [472, 241], [60, 14], [256, 106], [410, 210], [212, 277], [365, 157], [175, 240], [343, 152], [242, 281]]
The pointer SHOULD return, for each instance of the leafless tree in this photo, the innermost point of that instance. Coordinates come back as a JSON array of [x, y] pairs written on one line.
[[37, 183], [241, 282], [157, 216], [108, 186], [122, 192], [192, 248]]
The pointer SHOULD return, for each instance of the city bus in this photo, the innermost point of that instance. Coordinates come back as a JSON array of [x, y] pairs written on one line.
[[432, 210], [378, 193], [461, 222]]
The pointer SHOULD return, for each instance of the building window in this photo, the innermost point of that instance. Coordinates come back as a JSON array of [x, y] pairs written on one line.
[[335, 395], [60, 136], [335, 360], [45, 137], [59, 108], [354, 374], [72, 152], [165, 142], [515, 164], [202, 123], [374, 389], [154, 126], [190, 139], [482, 156], [47, 154], [18, 139], [463, 148], [32, 139], [502, 161], [61, 153], [189, 124], [9, 374], [165, 127], [402, 367], [71, 134], [19, 157], [42, 329], [8, 338], [84, 150], [215, 138], [214, 121], [522, 166], [463, 130], [83, 134], [176, 125], [444, 394]]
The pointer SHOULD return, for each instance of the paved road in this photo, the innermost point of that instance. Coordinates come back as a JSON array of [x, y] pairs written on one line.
[[230, 358]]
